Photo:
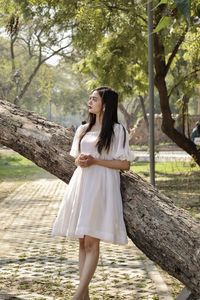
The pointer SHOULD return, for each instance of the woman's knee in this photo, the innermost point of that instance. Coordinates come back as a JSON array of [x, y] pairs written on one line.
[[91, 244]]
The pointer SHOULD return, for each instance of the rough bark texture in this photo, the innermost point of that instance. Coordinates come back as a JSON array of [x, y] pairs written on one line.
[[166, 234], [38, 139]]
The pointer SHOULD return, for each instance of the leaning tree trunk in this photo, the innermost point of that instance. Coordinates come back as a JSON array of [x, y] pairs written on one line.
[[166, 234]]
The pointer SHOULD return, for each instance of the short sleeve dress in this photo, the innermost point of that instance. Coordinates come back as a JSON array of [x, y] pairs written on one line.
[[92, 204]]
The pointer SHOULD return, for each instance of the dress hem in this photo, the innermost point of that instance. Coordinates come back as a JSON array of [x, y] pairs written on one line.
[[81, 235]]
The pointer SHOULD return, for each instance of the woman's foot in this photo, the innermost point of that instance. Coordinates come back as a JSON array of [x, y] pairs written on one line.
[[85, 297]]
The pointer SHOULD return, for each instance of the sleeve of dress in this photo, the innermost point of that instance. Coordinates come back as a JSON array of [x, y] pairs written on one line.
[[75, 144], [121, 144]]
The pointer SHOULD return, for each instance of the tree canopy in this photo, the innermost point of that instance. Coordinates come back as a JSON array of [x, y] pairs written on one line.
[[108, 42]]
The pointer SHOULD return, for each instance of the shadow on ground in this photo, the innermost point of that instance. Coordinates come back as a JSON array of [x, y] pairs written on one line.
[[4, 296]]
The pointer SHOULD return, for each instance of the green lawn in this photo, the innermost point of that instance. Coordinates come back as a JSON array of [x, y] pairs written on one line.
[[15, 166], [164, 168], [178, 180]]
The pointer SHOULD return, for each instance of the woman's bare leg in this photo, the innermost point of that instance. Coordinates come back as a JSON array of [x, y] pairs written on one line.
[[91, 246], [82, 255]]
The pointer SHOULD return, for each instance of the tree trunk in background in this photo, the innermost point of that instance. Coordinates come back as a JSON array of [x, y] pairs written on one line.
[[185, 116], [129, 117], [166, 234], [144, 112]]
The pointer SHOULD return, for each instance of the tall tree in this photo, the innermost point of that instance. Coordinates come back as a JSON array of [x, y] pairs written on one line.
[[35, 28], [166, 47], [115, 52], [111, 37]]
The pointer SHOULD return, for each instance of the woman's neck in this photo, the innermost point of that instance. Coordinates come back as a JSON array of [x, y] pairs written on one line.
[[98, 122]]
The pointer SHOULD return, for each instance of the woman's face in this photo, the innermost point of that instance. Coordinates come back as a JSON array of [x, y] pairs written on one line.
[[95, 105]]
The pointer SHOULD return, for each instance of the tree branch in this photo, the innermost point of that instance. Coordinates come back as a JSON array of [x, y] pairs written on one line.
[[13, 38], [56, 52], [183, 79], [27, 44], [40, 62], [175, 50]]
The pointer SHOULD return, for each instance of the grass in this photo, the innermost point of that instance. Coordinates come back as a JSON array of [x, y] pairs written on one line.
[[166, 168], [178, 180], [14, 166]]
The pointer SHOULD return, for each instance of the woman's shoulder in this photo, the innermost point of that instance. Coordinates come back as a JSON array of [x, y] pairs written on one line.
[[82, 127], [118, 127]]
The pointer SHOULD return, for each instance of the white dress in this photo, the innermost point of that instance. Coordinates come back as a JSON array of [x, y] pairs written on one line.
[[92, 204]]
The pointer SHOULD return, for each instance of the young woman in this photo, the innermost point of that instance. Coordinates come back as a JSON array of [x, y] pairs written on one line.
[[92, 206]]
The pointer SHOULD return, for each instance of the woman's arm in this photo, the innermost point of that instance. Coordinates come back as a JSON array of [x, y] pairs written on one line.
[[87, 161], [113, 164]]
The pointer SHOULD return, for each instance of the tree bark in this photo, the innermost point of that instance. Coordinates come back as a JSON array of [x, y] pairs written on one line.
[[185, 123], [42, 141], [166, 234], [130, 118], [144, 111]]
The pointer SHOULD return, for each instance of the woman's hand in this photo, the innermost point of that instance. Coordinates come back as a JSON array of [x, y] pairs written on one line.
[[84, 160], [89, 160]]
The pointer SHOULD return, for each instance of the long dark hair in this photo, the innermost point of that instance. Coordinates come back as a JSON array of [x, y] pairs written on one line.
[[198, 128], [110, 102]]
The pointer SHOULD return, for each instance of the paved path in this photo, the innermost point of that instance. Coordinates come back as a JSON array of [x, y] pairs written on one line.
[[163, 156], [35, 265]]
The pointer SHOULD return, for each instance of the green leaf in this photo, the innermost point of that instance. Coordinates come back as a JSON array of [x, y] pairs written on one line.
[[161, 2], [184, 7], [198, 10], [164, 22]]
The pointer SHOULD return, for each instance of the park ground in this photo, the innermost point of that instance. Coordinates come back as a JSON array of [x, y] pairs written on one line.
[[36, 266]]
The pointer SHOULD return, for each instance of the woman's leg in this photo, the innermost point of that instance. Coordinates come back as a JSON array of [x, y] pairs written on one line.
[[91, 246], [82, 255]]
